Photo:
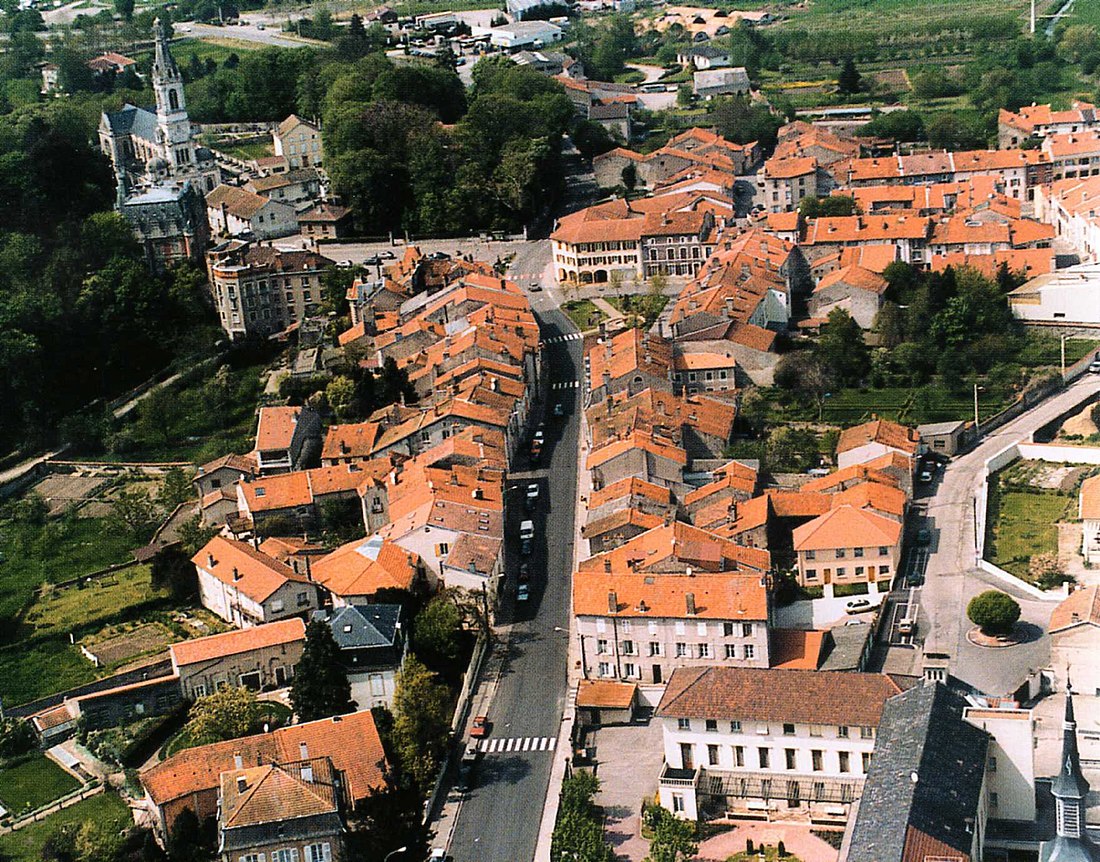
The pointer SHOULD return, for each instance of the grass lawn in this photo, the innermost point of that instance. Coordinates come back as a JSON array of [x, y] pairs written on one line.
[[26, 844], [62, 549], [771, 854], [215, 48], [912, 406], [75, 607], [34, 783], [583, 313], [1020, 524], [247, 150]]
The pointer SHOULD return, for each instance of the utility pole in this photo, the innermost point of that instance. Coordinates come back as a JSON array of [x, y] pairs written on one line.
[[977, 423], [1032, 20]]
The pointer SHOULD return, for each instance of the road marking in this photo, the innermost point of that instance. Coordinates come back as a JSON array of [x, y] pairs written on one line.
[[517, 744], [557, 339], [566, 384]]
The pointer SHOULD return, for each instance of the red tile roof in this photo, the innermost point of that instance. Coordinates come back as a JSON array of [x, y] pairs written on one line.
[[233, 643]]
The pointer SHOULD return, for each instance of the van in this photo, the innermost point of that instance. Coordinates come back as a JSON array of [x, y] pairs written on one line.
[[527, 530], [907, 626]]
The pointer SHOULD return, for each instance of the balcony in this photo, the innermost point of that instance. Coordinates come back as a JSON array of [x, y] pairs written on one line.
[[673, 777]]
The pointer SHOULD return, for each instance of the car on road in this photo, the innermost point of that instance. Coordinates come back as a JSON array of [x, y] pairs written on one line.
[[924, 536], [1094, 366], [858, 606], [523, 593], [467, 767], [924, 476], [535, 287], [481, 727], [539, 436], [524, 573], [559, 409], [526, 537], [261, 26], [906, 626], [531, 498]]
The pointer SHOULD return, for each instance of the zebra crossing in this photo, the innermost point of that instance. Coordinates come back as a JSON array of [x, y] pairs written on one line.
[[566, 384], [517, 744], [557, 339]]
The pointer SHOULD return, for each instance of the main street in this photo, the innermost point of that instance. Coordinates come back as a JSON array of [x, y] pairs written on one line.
[[951, 578], [498, 820]]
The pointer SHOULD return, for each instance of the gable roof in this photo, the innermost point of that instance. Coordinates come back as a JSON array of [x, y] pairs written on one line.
[[275, 427], [277, 793], [365, 566], [236, 642], [882, 431], [241, 566], [237, 201], [856, 277], [351, 742], [724, 596], [777, 695], [1081, 607], [846, 527], [358, 626]]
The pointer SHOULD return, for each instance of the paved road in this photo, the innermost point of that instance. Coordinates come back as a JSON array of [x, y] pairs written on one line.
[[271, 35], [499, 819], [951, 578]]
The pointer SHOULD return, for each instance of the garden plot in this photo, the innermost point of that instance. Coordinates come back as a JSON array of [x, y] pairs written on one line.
[[114, 646], [62, 490]]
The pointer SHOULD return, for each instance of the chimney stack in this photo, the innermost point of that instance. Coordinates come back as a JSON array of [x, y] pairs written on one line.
[[242, 784], [303, 751], [236, 574], [607, 565], [238, 763], [690, 600], [612, 602]]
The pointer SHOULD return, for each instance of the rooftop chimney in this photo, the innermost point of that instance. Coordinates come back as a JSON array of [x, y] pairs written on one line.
[[242, 784], [236, 574], [607, 565], [238, 763], [303, 751], [689, 598], [612, 602]]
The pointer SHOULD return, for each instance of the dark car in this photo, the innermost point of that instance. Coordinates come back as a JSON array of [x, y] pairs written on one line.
[[524, 573], [467, 767]]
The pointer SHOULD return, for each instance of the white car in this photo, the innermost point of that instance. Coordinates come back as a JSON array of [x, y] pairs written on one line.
[[858, 606], [523, 593], [1094, 366]]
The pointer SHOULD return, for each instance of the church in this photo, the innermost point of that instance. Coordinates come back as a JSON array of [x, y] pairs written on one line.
[[161, 173]]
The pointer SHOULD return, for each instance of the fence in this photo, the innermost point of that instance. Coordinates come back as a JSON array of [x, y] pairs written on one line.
[[57, 805], [152, 670]]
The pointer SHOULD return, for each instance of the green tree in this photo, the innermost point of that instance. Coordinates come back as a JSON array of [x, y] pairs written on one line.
[[849, 81], [99, 841], [673, 839], [737, 120], [994, 612], [193, 535], [320, 687], [227, 714], [842, 349], [421, 722], [175, 488], [578, 832], [591, 139], [890, 324], [834, 205], [895, 125], [791, 450], [436, 633], [630, 177], [173, 572], [16, 737], [134, 512], [804, 373], [339, 394]]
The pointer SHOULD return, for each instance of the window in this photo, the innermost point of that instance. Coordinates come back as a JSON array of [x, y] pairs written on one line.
[[866, 760], [681, 650], [377, 685], [704, 650], [811, 555], [631, 670], [991, 763], [992, 799], [840, 552], [811, 574], [319, 852], [683, 724], [866, 733], [701, 629], [746, 630], [712, 725], [750, 651], [816, 760], [712, 755], [276, 606], [815, 730], [884, 570], [858, 552], [286, 854], [843, 758], [624, 625], [677, 802], [791, 758], [655, 648], [605, 669], [628, 647], [842, 732], [859, 571], [303, 599], [735, 727], [727, 629], [883, 551], [680, 627], [840, 571], [601, 625], [251, 857], [764, 757], [601, 646], [788, 730], [731, 650], [739, 755]]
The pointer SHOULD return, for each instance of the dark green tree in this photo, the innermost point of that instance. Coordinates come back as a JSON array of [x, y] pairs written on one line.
[[320, 687], [849, 81], [436, 633], [994, 612], [841, 348]]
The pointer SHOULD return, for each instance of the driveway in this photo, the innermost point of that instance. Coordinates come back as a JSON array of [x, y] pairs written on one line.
[[628, 765], [951, 576]]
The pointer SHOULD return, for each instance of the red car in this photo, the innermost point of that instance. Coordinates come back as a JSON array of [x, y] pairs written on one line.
[[481, 727]]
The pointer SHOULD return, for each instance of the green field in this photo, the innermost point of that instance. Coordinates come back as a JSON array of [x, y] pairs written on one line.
[[1021, 524], [34, 783], [76, 607], [215, 48], [911, 406], [583, 313], [245, 151], [26, 844]]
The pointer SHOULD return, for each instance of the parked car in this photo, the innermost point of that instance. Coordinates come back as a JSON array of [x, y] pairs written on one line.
[[924, 536], [924, 476], [524, 573], [858, 606], [531, 499], [526, 537], [535, 287], [1094, 366], [481, 727], [539, 436], [466, 768], [559, 409], [523, 593]]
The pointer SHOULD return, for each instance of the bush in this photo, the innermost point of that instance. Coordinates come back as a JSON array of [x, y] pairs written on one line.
[[994, 612], [16, 737]]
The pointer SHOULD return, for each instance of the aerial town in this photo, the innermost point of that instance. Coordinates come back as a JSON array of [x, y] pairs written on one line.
[[554, 430]]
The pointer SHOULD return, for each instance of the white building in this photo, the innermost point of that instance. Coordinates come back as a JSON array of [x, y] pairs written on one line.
[[721, 82], [755, 740], [299, 142], [234, 211], [1069, 296], [521, 35]]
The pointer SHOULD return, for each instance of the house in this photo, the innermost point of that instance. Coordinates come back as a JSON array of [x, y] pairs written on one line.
[[640, 627], [51, 78], [1071, 206], [282, 810], [246, 587], [613, 116], [857, 290], [848, 545], [1038, 121], [604, 702], [295, 501], [1074, 638], [109, 707], [298, 187], [704, 57], [783, 183], [260, 657], [701, 368], [862, 443], [1068, 296], [260, 290], [355, 573], [372, 643], [521, 35], [647, 455], [708, 83], [168, 220], [926, 794], [942, 438], [287, 438], [629, 361], [191, 779], [234, 211], [325, 221], [223, 472], [755, 740], [299, 142]]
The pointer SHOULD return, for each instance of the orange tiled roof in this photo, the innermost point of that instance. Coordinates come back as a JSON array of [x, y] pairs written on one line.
[[678, 546], [783, 169], [856, 277], [1090, 499], [725, 596], [630, 487], [243, 463], [642, 440], [275, 429], [351, 742], [1080, 607], [1030, 261], [241, 566], [797, 649], [261, 795], [853, 473], [882, 431], [606, 694], [365, 566], [237, 642], [846, 527]]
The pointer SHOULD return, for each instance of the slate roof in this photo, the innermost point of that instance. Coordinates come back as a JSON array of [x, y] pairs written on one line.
[[922, 734], [358, 626], [132, 120]]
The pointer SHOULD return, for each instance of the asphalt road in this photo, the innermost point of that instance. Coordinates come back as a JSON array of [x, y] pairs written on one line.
[[499, 818], [951, 578]]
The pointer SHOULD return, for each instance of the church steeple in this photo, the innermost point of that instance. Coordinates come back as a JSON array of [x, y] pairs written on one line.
[[1069, 788], [164, 64], [173, 125]]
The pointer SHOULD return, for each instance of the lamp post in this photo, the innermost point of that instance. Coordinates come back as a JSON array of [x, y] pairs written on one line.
[[393, 853], [977, 423]]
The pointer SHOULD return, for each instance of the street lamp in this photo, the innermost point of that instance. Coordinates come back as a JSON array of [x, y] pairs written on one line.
[[977, 423], [392, 853]]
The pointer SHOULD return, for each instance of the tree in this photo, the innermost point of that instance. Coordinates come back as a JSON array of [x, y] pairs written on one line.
[[591, 139], [421, 721], [685, 95], [630, 177], [16, 737], [895, 125], [578, 833], [737, 120], [173, 572], [339, 393], [673, 839], [791, 450], [125, 8], [175, 489], [436, 633], [226, 714], [890, 324], [842, 349], [193, 535], [834, 205], [191, 841], [135, 513], [994, 612], [753, 410], [849, 80], [99, 841], [805, 373], [320, 687]]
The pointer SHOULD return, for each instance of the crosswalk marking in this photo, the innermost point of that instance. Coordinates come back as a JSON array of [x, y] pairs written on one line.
[[517, 744], [558, 339], [566, 384]]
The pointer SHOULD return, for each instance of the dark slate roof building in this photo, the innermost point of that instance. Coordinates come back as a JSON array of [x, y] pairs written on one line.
[[1069, 789], [924, 794], [369, 636]]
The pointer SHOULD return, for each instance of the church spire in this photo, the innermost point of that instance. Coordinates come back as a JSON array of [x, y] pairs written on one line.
[[164, 64]]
